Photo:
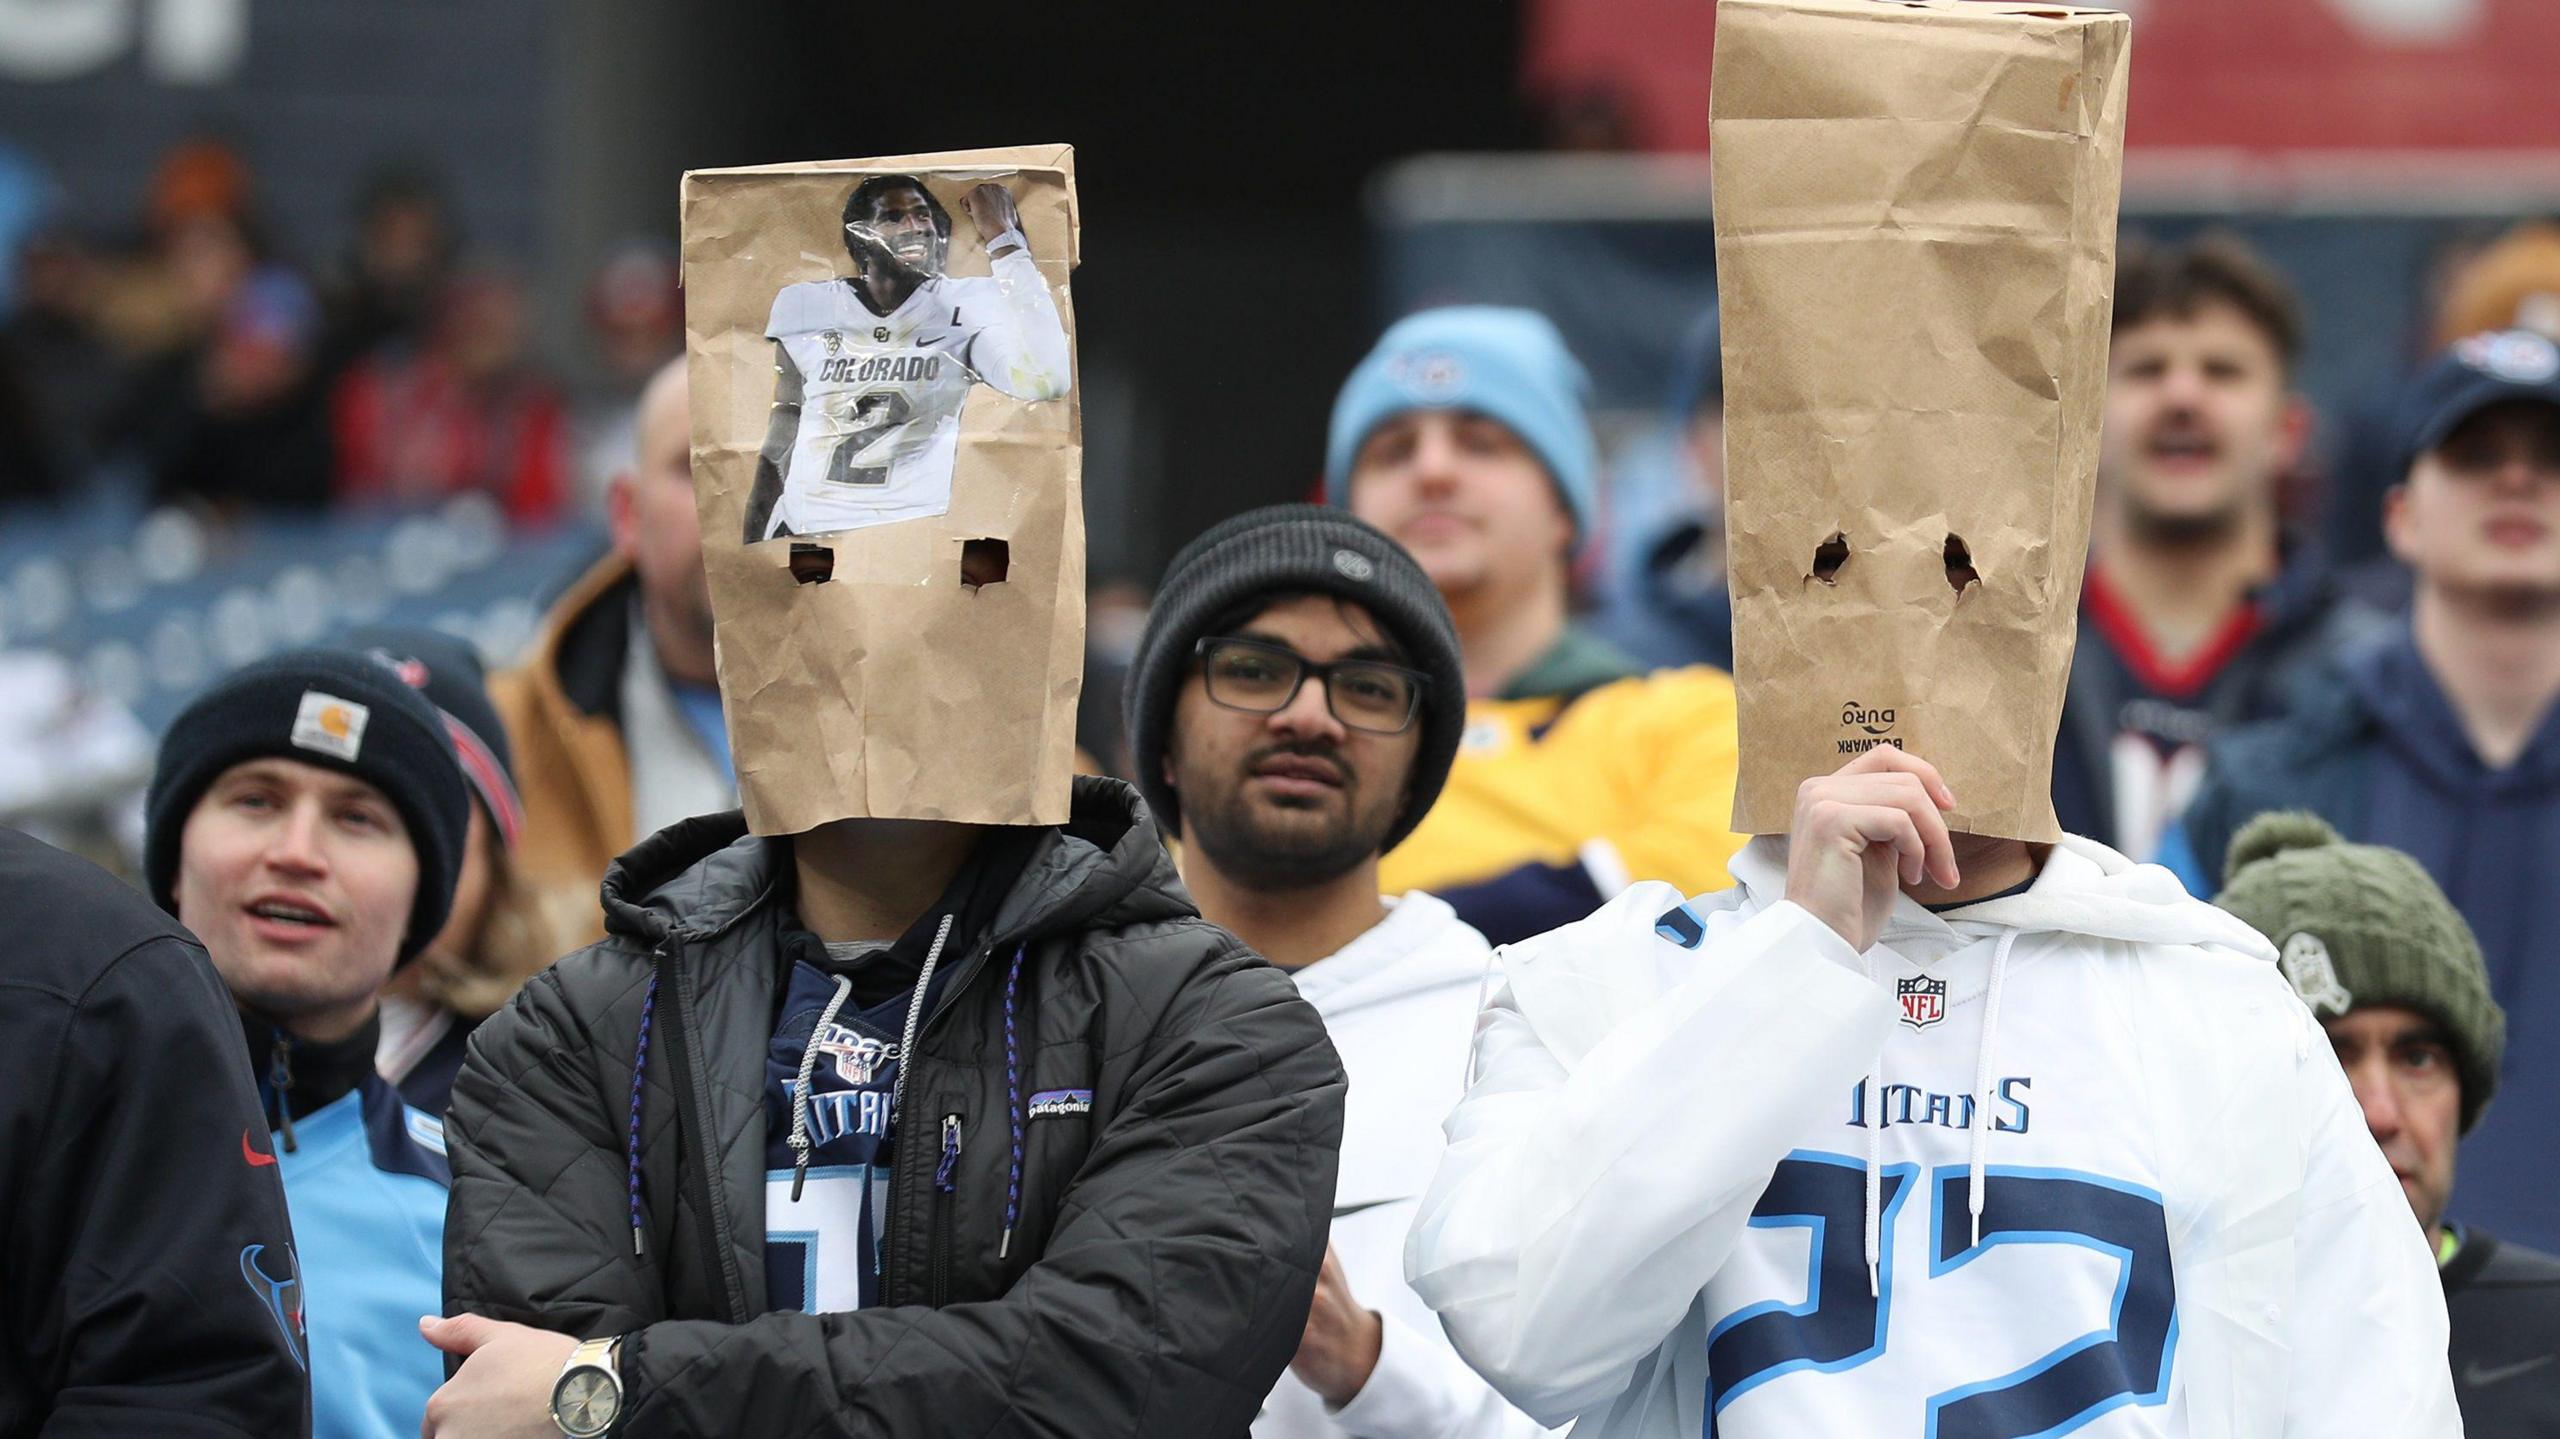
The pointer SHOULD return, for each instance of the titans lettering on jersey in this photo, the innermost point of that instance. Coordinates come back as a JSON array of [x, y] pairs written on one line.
[[1910, 1104], [821, 1251], [882, 395]]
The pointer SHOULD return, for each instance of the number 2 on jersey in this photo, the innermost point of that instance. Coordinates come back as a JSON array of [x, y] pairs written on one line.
[[874, 415], [1841, 1325]]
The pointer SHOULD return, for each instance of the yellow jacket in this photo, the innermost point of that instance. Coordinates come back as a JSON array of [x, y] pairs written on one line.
[[1555, 804]]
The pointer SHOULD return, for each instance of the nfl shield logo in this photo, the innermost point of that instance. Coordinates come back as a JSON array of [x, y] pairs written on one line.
[[1924, 1000], [858, 1057]]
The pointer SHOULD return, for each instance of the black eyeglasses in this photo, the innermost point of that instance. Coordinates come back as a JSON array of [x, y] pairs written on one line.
[[1260, 678]]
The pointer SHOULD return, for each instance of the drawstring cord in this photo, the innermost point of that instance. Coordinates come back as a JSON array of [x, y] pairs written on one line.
[[915, 1018], [1012, 1105], [280, 1079], [1982, 1080], [639, 1070], [1875, 1158], [800, 1142]]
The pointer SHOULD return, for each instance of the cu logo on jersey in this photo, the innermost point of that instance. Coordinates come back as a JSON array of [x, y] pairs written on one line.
[[858, 1058], [832, 340], [1924, 1000]]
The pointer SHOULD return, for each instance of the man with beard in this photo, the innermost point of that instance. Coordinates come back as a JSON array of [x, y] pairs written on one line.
[[2443, 740], [2196, 613], [614, 715], [872, 369], [1293, 709]]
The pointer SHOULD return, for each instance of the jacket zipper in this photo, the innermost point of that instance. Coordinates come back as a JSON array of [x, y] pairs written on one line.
[[938, 1255], [693, 1123], [280, 1079]]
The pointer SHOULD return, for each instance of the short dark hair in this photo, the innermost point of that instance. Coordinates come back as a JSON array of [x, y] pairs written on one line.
[[858, 205], [2155, 281]]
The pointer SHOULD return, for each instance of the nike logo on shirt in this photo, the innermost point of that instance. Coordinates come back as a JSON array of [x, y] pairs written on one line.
[[256, 1160], [2476, 1375]]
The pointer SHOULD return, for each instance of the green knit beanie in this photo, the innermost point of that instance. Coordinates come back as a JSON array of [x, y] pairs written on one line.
[[2359, 925]]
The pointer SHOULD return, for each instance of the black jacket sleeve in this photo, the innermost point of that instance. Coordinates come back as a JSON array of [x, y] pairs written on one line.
[[150, 1282], [1173, 1290], [539, 1170]]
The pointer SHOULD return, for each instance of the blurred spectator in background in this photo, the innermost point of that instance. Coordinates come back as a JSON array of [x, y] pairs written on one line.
[[635, 323], [2442, 739], [2394, 977], [496, 936], [231, 415], [2198, 610], [306, 822], [394, 274], [1671, 605], [59, 378], [1463, 437], [615, 714], [466, 411]]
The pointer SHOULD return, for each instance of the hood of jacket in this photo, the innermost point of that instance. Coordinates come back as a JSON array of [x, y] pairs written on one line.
[[1420, 948], [1104, 868], [2085, 889]]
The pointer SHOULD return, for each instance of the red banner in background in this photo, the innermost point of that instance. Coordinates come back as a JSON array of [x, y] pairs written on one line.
[[2269, 75]]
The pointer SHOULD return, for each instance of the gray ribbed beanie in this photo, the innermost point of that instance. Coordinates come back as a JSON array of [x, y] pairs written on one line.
[[2357, 925], [1282, 548]]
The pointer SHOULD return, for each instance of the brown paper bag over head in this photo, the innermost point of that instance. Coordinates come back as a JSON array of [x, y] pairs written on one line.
[[887, 459], [1915, 211]]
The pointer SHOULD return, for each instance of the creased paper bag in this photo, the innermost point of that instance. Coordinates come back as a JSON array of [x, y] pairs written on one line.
[[887, 459], [1915, 212]]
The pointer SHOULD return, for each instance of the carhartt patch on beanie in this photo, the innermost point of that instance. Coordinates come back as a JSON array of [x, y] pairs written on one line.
[[1509, 364], [2359, 925], [1272, 551], [336, 709]]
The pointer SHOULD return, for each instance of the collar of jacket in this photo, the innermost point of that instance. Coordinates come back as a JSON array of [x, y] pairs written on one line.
[[586, 638], [1104, 867], [320, 1074], [1576, 664]]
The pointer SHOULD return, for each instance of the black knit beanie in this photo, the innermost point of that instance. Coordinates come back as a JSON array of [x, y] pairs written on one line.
[[2362, 925], [336, 709], [1274, 550], [449, 673]]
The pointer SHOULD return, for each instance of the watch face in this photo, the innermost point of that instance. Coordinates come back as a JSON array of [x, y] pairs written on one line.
[[586, 1403]]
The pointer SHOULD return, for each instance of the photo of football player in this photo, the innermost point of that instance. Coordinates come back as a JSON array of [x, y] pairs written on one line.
[[872, 368]]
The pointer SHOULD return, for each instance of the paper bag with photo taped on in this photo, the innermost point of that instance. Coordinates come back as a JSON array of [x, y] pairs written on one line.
[[887, 460], [1915, 213]]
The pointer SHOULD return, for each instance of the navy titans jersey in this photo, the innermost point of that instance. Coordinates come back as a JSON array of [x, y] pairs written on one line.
[[821, 1254]]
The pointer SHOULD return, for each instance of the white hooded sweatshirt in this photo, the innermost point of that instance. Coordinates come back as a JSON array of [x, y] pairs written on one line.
[[1400, 1004], [1718, 1174]]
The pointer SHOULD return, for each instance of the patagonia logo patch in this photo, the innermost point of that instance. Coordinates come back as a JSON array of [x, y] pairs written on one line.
[[1059, 1103], [326, 724], [1681, 926]]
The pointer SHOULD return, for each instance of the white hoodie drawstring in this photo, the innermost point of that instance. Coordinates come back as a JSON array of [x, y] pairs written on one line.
[[800, 1142], [1982, 1079], [1875, 1159]]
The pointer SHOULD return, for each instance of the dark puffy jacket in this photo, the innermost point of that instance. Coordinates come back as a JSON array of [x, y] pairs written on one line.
[[1164, 1245], [147, 1275]]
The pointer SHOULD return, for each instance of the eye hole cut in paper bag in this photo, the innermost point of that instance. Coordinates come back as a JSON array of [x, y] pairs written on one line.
[[1915, 212], [888, 464]]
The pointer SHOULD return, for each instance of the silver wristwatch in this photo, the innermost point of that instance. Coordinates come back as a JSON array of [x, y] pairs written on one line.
[[587, 1397]]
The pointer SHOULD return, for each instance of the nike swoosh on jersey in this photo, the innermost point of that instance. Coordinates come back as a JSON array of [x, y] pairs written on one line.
[[2476, 1375], [256, 1160], [1345, 1211]]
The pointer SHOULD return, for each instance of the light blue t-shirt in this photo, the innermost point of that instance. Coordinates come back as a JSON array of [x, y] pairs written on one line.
[[365, 1184]]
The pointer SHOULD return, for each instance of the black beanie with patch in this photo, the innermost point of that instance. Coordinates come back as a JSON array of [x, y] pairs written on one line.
[[339, 710]]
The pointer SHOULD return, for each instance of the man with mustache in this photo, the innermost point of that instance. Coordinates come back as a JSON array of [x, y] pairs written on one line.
[[2197, 612], [306, 821], [2442, 740], [1462, 436], [1293, 709], [2394, 977]]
